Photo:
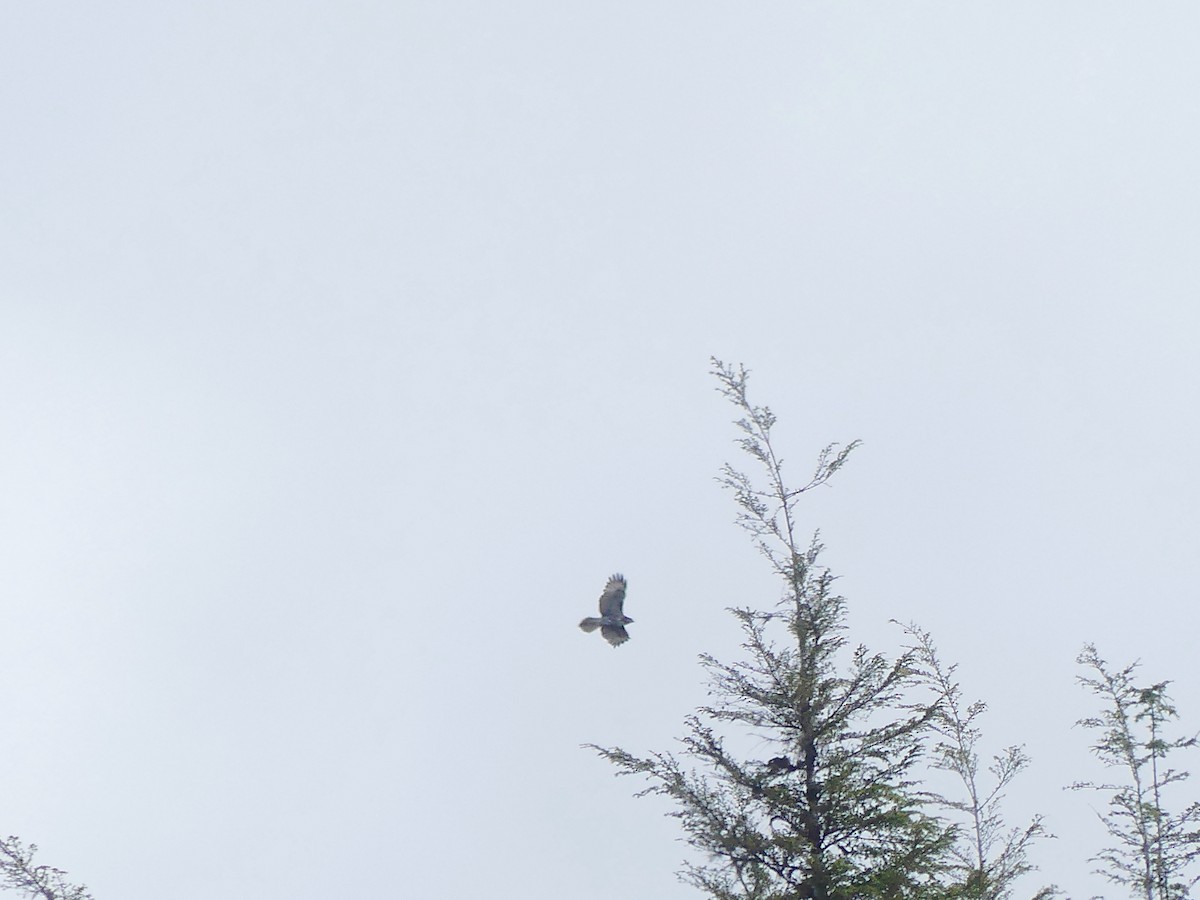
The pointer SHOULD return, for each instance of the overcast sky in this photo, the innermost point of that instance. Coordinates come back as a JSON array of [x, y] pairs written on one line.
[[347, 348]]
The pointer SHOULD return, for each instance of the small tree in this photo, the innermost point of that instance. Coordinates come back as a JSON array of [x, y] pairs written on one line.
[[989, 856], [1154, 848], [836, 813], [34, 881]]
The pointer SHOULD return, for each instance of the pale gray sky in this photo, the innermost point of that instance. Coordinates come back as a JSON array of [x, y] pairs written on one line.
[[346, 349]]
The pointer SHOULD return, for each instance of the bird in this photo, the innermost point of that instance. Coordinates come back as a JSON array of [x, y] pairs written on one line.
[[612, 619], [780, 764]]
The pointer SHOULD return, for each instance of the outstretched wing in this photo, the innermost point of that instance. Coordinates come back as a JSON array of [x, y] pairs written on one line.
[[615, 634], [612, 602]]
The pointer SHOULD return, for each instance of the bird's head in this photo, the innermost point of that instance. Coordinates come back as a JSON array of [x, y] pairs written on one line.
[[625, 620]]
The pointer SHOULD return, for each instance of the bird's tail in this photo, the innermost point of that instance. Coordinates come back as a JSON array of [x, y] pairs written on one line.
[[590, 624]]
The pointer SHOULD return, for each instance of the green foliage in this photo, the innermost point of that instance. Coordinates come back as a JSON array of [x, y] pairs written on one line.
[[1154, 848], [837, 812], [988, 855], [37, 882], [766, 511]]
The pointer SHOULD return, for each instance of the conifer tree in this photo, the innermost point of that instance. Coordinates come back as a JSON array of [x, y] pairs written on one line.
[[988, 855], [34, 881], [1155, 848], [836, 811]]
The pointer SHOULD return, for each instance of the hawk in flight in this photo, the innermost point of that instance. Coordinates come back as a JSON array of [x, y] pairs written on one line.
[[612, 619]]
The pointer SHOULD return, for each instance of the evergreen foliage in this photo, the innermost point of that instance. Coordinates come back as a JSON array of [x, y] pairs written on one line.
[[1155, 848], [837, 812], [841, 808], [988, 856], [36, 882]]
